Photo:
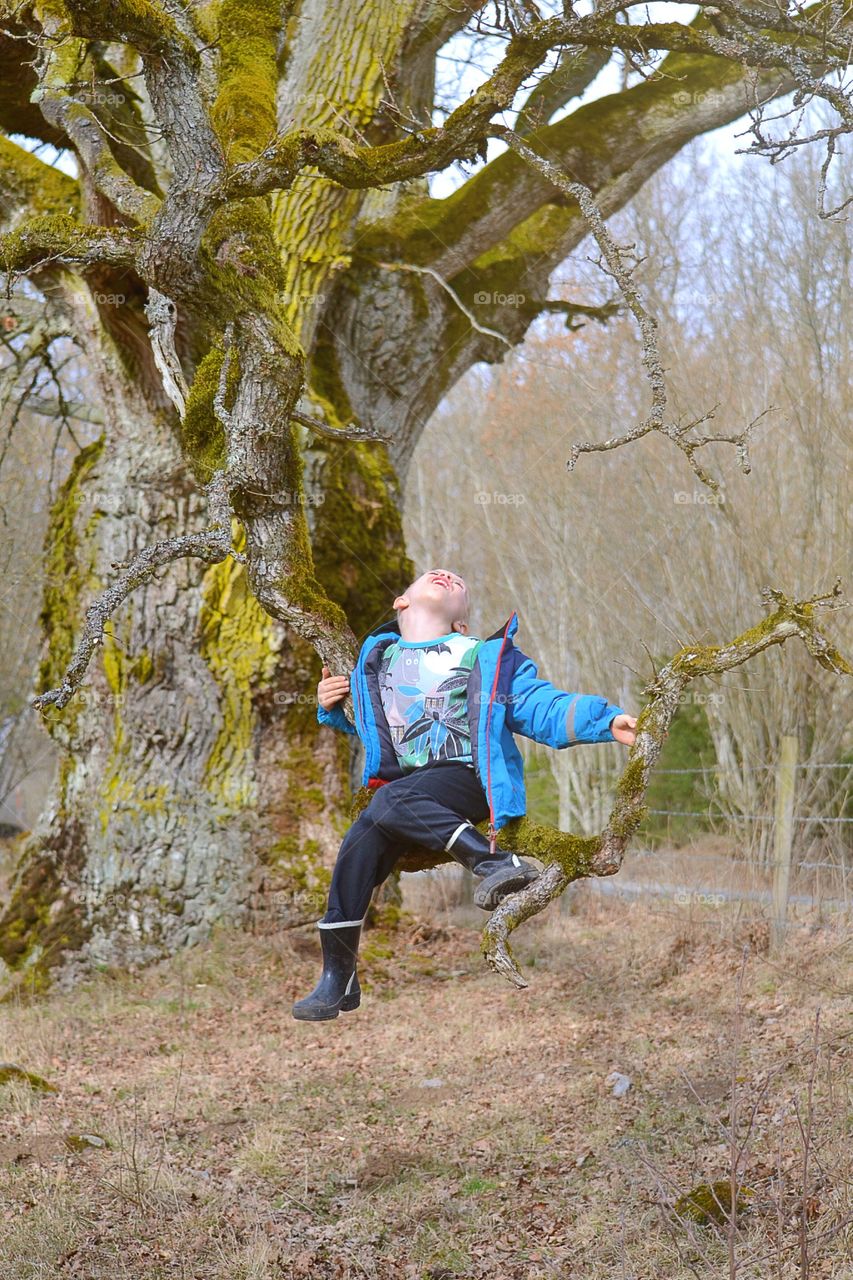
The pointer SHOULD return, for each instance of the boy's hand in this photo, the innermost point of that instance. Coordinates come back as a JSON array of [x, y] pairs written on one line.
[[331, 689], [622, 728]]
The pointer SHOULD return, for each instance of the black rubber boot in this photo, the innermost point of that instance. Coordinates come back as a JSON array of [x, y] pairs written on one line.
[[338, 990], [502, 873]]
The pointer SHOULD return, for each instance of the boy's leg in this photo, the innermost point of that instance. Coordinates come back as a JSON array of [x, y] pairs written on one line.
[[364, 853], [436, 807], [365, 858], [429, 806], [423, 808]]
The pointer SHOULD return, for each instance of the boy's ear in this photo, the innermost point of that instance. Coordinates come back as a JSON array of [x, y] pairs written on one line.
[[461, 627], [402, 602]]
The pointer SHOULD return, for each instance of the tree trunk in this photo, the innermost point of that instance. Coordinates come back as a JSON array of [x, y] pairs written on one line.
[[193, 783]]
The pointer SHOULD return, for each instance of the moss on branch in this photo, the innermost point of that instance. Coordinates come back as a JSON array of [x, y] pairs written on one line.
[[57, 237], [28, 183], [146, 25], [244, 113]]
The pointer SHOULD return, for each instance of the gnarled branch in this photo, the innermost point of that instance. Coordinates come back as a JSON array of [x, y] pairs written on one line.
[[212, 544]]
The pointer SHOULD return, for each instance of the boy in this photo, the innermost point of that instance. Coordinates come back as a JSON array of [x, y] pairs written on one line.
[[436, 710]]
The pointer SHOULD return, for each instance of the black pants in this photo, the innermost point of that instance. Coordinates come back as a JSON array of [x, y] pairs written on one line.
[[427, 807]]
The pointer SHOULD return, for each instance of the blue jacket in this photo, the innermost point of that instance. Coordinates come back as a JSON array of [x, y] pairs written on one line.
[[505, 696]]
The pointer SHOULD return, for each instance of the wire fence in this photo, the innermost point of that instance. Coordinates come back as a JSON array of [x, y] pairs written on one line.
[[729, 816], [769, 873]]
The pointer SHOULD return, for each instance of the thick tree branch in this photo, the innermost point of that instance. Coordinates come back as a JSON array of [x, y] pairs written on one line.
[[615, 139], [462, 134], [61, 60], [42, 241]]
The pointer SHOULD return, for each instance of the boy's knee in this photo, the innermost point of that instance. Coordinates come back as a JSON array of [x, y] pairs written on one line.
[[379, 810]]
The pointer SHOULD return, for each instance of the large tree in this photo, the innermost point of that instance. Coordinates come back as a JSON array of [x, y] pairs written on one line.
[[271, 304]]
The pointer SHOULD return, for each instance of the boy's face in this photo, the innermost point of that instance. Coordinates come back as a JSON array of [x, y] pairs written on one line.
[[441, 592]]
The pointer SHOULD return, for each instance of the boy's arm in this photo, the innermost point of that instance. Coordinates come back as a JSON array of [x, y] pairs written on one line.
[[538, 710], [333, 690], [336, 718]]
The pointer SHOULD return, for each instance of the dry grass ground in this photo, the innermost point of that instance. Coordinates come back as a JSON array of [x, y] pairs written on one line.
[[452, 1127]]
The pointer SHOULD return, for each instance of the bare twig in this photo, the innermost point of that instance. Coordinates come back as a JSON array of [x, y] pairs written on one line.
[[620, 262]]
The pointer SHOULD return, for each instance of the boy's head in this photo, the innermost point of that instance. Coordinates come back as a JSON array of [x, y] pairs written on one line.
[[438, 594]]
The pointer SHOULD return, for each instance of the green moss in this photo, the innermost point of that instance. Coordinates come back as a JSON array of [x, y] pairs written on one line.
[[68, 575], [244, 112], [10, 1072], [325, 381], [239, 642], [42, 920], [298, 585], [242, 260], [628, 811], [51, 235], [119, 787], [574, 854], [202, 434], [361, 525], [42, 189], [142, 668], [712, 1202]]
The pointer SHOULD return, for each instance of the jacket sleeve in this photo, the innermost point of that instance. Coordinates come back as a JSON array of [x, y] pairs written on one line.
[[336, 719], [538, 710]]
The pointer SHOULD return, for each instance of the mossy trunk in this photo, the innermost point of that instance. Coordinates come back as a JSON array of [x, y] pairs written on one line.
[[195, 785], [192, 778]]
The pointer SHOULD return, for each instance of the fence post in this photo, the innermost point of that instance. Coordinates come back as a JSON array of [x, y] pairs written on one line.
[[783, 839]]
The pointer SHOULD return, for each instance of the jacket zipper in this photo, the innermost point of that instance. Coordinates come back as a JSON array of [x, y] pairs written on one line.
[[493, 835]]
